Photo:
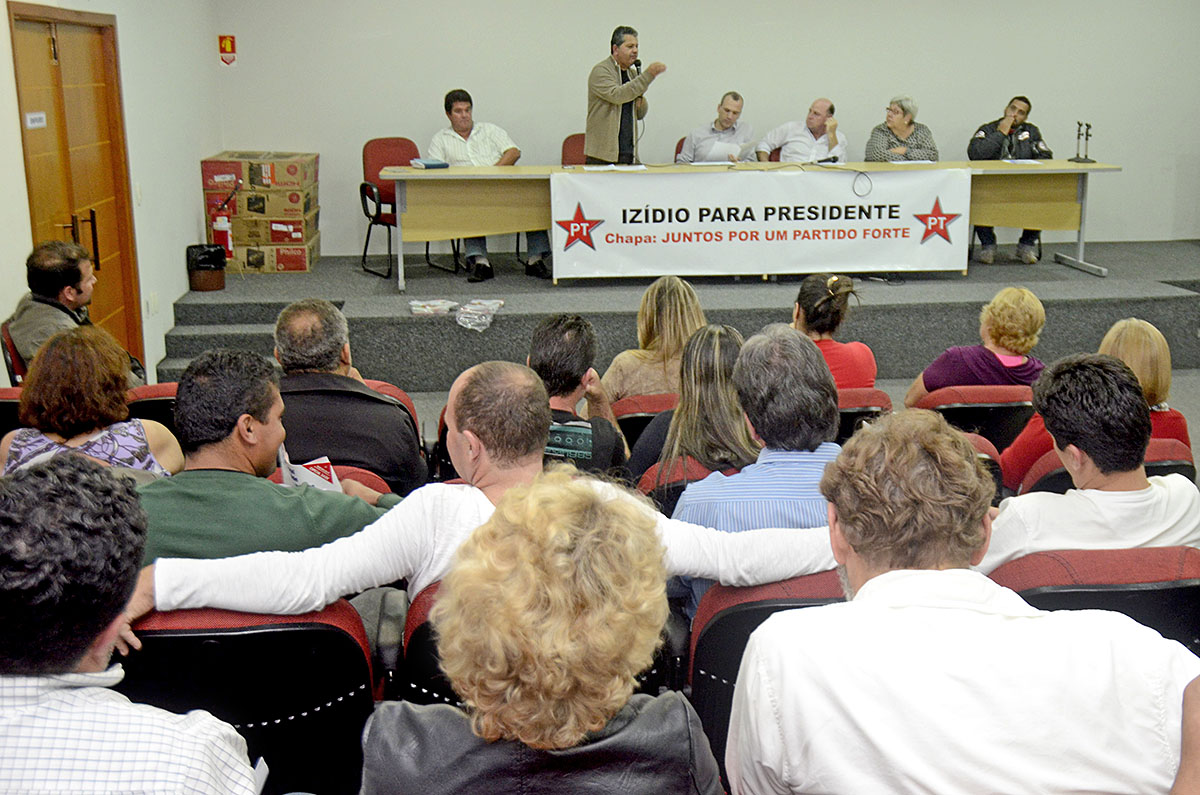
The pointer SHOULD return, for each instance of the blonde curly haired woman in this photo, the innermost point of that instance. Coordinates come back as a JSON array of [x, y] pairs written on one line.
[[1009, 326], [552, 608]]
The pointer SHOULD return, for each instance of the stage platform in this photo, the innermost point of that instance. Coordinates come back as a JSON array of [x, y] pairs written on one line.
[[907, 319]]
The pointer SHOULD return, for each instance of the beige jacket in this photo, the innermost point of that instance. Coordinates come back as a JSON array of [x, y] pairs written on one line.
[[606, 95]]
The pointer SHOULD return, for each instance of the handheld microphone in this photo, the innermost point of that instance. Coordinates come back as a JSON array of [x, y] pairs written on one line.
[[637, 64]]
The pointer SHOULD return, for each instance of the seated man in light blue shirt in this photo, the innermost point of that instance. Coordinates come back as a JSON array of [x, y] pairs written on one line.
[[727, 138], [790, 400]]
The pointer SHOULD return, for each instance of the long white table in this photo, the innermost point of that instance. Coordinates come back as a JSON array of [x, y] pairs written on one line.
[[449, 203]]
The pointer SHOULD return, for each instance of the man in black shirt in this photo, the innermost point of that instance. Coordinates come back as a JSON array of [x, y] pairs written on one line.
[[561, 353], [1009, 138]]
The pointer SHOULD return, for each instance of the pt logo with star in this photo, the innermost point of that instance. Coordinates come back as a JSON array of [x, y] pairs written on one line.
[[936, 222], [579, 229]]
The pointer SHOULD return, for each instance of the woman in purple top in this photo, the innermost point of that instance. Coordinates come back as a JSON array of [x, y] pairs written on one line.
[[1009, 326], [73, 401]]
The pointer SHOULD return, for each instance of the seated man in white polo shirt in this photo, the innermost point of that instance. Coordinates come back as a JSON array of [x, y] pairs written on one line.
[[933, 678], [466, 143], [1096, 412]]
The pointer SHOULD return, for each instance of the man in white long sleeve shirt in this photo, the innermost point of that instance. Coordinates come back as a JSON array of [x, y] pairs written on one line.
[[933, 678], [497, 423]]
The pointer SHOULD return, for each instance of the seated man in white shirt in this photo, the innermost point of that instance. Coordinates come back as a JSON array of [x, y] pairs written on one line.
[[467, 143], [933, 678], [816, 140], [71, 536], [1096, 412], [497, 423], [726, 139]]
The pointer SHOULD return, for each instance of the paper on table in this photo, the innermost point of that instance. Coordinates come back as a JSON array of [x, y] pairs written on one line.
[[1017, 162]]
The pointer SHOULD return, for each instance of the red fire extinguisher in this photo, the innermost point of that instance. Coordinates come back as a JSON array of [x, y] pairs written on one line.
[[222, 228]]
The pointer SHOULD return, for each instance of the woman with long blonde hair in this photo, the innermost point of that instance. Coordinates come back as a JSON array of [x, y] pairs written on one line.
[[708, 425], [669, 313]]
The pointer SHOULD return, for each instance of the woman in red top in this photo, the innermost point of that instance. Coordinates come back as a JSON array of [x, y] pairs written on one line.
[[820, 308], [1141, 346]]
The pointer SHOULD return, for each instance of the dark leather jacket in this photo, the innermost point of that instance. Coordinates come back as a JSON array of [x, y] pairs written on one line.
[[652, 745], [1022, 143]]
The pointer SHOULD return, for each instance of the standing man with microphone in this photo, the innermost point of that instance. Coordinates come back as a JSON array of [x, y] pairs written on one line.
[[615, 98]]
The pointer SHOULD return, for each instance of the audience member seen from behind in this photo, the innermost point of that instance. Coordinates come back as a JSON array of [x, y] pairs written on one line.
[[709, 425], [669, 313], [901, 137], [330, 409], [551, 609], [1009, 326], [1141, 346], [820, 308], [790, 401], [71, 537], [1095, 410], [73, 401], [946, 681], [561, 352]]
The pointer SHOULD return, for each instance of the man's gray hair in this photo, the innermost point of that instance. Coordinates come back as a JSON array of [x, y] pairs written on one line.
[[309, 335], [735, 96], [619, 34], [907, 105], [786, 390]]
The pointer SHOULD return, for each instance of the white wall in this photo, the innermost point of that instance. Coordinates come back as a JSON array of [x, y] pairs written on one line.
[[356, 70], [168, 82], [321, 76]]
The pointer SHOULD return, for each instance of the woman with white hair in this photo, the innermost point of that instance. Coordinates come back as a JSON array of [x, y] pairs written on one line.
[[901, 137]]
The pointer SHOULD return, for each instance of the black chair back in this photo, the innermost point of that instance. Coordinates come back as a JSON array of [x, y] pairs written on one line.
[[298, 692]]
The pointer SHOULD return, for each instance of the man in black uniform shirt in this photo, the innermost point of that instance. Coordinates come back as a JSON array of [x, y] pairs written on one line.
[[1009, 138]]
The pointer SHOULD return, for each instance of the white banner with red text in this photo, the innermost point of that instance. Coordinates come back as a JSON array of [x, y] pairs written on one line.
[[640, 223]]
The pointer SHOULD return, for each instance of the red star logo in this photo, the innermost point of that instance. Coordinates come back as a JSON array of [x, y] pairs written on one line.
[[579, 229], [936, 222]]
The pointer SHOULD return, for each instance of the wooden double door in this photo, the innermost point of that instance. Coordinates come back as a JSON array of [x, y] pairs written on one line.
[[72, 131]]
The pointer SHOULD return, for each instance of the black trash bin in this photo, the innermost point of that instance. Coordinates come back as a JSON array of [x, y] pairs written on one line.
[[206, 267]]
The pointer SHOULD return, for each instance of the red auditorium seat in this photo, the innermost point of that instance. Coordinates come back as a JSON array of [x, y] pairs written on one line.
[[363, 476], [1156, 586], [13, 362], [1163, 456], [998, 413], [154, 402], [393, 391], [634, 412], [298, 688], [666, 494], [859, 405], [723, 624], [990, 458], [10, 398]]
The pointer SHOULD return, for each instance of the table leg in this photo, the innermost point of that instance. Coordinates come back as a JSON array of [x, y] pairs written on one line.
[[1077, 261], [401, 206]]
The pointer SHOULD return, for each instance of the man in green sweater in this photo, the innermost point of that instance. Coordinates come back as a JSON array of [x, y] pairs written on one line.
[[228, 418]]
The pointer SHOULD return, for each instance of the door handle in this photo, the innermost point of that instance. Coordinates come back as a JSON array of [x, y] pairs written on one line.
[[73, 226], [91, 219]]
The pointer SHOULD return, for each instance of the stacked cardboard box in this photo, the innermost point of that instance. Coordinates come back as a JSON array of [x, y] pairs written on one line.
[[273, 212]]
